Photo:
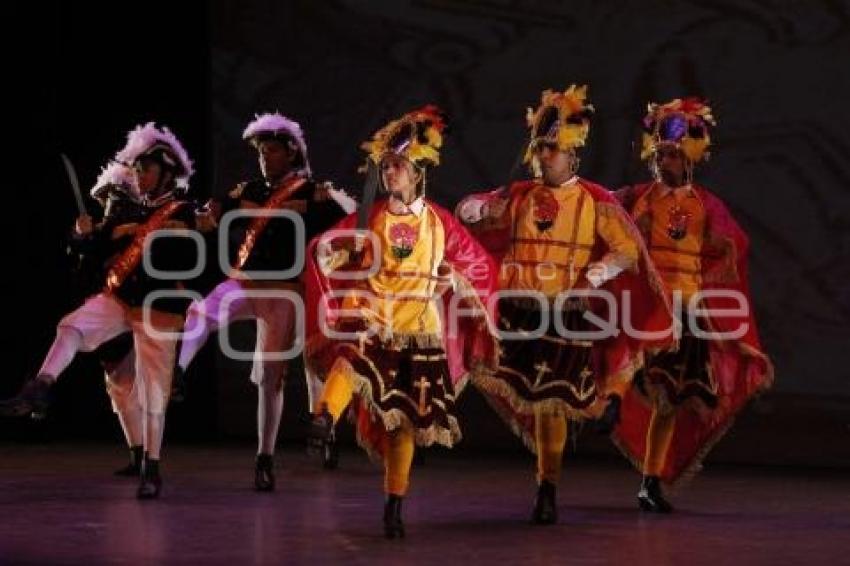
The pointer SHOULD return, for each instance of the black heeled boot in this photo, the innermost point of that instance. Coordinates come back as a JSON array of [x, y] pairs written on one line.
[[264, 473], [33, 400], [330, 452], [393, 525], [151, 482], [545, 510], [650, 498], [320, 432], [134, 468]]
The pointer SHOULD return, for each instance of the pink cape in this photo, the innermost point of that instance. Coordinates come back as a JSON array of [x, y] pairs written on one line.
[[615, 358], [739, 366], [471, 349]]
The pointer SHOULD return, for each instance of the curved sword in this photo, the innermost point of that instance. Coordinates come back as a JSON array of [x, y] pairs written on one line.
[[75, 184], [370, 189]]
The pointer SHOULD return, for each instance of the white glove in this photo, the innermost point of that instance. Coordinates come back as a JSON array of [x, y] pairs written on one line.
[[329, 259], [471, 211], [343, 199], [599, 272]]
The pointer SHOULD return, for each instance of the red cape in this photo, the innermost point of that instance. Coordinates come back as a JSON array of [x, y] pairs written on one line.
[[740, 366], [473, 347], [617, 357]]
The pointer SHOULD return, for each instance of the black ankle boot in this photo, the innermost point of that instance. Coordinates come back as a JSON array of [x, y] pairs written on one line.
[[178, 385], [545, 510], [134, 468], [151, 482], [321, 431], [330, 453], [610, 417], [393, 525], [33, 400], [650, 498], [264, 473]]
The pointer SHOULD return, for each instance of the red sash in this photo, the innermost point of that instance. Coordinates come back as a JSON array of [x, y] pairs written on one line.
[[259, 223]]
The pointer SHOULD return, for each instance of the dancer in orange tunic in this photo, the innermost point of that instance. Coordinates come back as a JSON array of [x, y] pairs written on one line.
[[403, 353], [687, 397], [560, 238]]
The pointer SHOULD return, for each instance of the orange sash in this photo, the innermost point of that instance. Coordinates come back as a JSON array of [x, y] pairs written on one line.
[[130, 258], [259, 223]]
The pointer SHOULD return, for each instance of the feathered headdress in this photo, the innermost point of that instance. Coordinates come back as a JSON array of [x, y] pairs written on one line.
[[115, 175], [275, 125], [147, 140], [417, 136], [682, 122], [562, 118]]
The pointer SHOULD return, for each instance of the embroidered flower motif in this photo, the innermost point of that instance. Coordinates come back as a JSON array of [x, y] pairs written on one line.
[[403, 237], [545, 210], [677, 222]]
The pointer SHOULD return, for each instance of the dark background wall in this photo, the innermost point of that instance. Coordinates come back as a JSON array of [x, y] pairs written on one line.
[[775, 73], [77, 77]]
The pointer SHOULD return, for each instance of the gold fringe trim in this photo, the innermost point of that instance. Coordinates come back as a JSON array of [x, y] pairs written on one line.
[[570, 305], [695, 465], [581, 393], [390, 341], [489, 383], [692, 468], [494, 388], [400, 340], [396, 418]]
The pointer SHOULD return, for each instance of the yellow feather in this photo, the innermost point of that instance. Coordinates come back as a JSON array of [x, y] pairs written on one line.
[[694, 149], [434, 137], [647, 147]]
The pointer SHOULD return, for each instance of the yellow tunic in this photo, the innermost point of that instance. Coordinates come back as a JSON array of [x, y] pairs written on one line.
[[553, 235], [403, 292], [673, 223]]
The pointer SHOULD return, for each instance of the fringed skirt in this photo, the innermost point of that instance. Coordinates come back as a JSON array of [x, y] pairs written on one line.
[[402, 380], [552, 371], [681, 376]]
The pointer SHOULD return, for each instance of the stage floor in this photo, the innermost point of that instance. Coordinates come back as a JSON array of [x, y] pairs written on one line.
[[60, 505]]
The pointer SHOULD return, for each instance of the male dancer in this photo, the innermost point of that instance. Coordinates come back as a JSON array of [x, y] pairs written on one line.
[[687, 397], [259, 286], [161, 169], [559, 237], [399, 357]]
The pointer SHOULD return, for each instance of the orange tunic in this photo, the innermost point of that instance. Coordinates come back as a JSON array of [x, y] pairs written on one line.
[[673, 224], [554, 233], [403, 292]]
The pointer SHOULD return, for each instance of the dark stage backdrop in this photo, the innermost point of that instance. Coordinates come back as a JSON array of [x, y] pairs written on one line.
[[775, 73], [776, 76]]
